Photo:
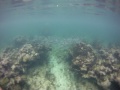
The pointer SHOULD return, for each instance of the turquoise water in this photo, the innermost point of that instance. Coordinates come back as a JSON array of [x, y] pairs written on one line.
[[61, 23], [85, 19]]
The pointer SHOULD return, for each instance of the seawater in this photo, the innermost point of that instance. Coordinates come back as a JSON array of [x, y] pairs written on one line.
[[85, 19], [62, 21]]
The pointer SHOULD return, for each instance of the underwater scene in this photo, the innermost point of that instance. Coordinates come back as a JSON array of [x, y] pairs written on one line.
[[59, 44]]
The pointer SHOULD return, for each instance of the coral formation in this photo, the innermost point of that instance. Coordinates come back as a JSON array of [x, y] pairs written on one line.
[[103, 65], [14, 62]]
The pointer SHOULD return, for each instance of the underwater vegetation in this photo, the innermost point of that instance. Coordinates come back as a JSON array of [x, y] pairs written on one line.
[[16, 60], [100, 64]]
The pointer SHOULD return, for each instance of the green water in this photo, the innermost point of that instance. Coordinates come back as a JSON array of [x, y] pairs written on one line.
[[65, 20]]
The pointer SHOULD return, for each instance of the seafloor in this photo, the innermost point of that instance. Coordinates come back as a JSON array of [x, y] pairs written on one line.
[[49, 63]]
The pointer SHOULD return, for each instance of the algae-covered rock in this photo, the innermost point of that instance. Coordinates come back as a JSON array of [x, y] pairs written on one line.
[[4, 81], [16, 87], [105, 84]]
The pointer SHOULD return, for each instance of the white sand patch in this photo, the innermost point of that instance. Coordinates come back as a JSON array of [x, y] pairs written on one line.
[[61, 73]]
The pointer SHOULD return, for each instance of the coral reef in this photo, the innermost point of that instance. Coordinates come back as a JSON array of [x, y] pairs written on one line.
[[15, 61], [103, 65], [22, 65]]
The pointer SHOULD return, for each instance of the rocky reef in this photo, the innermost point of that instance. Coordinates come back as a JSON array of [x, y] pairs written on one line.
[[102, 64], [16, 60]]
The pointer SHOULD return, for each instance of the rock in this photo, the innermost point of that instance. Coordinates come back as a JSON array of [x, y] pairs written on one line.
[[16, 87], [26, 58], [105, 84], [117, 55], [4, 81]]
